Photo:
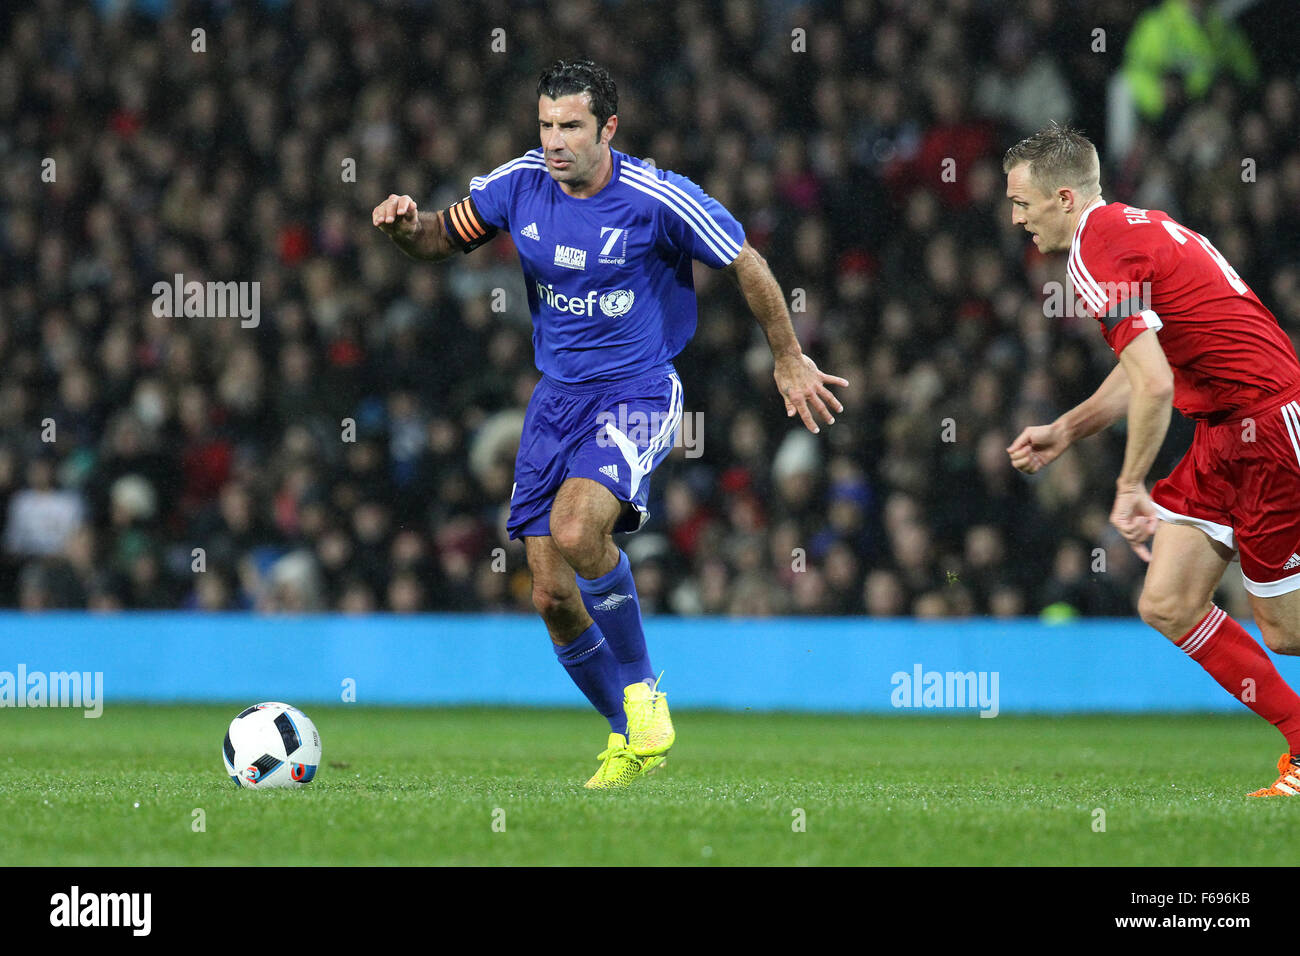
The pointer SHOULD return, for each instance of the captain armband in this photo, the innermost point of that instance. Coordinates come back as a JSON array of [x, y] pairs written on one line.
[[465, 227]]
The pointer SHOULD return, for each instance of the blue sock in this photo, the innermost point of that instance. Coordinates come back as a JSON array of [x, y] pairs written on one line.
[[612, 603], [591, 663]]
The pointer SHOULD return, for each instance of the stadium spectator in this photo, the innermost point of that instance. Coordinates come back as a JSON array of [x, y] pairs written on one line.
[[41, 516], [1177, 49]]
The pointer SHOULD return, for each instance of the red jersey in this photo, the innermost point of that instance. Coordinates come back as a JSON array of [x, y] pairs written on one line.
[[1137, 269]]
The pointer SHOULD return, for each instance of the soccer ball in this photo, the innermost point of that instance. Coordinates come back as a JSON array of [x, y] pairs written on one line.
[[271, 745]]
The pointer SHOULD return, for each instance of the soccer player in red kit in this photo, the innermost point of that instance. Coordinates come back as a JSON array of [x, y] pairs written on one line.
[[1189, 334]]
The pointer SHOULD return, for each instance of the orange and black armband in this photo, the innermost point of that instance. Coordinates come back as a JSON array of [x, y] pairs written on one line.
[[465, 227]]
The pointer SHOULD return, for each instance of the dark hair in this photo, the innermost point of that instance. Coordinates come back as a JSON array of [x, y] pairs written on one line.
[[1057, 156], [565, 77]]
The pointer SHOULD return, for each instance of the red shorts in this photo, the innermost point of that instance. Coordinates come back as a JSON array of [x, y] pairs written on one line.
[[1240, 484]]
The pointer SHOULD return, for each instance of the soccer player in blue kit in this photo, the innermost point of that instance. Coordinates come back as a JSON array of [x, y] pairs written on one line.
[[606, 242]]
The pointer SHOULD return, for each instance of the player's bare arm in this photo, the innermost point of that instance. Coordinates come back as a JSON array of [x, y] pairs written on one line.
[[1151, 393], [419, 237], [1039, 445], [801, 383]]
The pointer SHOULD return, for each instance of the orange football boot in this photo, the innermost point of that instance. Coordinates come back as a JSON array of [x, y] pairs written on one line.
[[1288, 781]]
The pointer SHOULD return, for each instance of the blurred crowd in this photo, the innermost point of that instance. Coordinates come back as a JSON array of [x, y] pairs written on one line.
[[352, 450]]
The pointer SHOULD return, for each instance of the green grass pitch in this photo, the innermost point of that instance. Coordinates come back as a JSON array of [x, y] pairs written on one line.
[[415, 786]]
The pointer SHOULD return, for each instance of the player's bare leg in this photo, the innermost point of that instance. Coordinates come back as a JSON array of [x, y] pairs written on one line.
[[1186, 566], [583, 517], [555, 595], [1278, 618], [1177, 600], [582, 526]]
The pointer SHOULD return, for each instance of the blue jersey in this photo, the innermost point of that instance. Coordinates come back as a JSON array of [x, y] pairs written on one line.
[[609, 277]]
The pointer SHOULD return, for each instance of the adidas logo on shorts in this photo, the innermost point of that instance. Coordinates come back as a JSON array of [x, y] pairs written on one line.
[[1293, 563], [611, 471], [530, 231], [613, 602]]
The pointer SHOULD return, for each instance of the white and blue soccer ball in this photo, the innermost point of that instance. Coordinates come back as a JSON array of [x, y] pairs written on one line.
[[271, 745]]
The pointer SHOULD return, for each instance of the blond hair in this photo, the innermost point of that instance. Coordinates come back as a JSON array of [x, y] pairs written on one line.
[[1057, 156]]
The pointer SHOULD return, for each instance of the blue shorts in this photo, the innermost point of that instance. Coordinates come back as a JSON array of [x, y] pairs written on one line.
[[614, 433]]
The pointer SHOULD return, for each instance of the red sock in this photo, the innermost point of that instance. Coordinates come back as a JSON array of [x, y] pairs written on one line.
[[1243, 669]]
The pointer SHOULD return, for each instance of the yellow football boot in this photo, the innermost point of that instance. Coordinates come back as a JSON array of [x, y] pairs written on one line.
[[650, 764], [619, 766], [649, 727]]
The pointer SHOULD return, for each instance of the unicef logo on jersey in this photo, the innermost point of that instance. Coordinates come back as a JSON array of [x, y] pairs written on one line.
[[617, 303], [613, 304]]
